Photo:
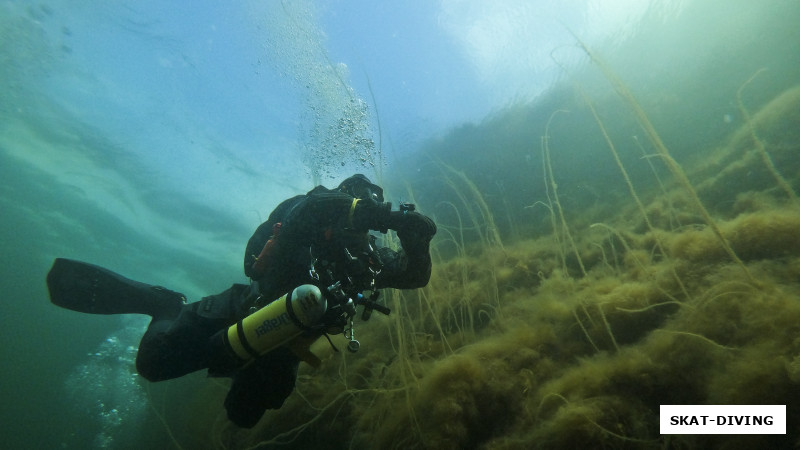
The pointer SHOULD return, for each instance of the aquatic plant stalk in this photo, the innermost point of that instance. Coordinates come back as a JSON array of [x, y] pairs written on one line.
[[632, 190], [549, 206], [608, 326], [672, 214], [674, 167], [483, 208], [638, 262], [555, 201], [787, 188], [585, 331]]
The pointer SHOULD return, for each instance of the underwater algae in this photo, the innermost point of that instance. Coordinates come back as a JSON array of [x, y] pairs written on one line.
[[514, 345]]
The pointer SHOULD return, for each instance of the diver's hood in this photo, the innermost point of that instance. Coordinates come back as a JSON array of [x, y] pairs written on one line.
[[359, 186]]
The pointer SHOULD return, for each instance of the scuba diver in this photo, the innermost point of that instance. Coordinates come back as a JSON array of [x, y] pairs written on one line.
[[310, 264]]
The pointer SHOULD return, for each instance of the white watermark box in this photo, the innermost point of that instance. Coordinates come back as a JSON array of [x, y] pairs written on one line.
[[723, 419]]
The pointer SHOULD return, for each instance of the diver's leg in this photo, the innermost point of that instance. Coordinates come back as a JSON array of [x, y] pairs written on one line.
[[173, 348], [264, 384]]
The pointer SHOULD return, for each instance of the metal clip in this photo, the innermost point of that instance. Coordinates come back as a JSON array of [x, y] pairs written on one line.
[[353, 345]]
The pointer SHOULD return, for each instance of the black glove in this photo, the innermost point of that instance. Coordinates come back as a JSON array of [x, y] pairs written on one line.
[[412, 226]]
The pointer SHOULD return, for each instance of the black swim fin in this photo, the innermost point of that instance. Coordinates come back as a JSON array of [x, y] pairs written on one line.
[[91, 289]]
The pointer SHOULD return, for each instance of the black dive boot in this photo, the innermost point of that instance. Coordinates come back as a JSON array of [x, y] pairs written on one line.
[[91, 289]]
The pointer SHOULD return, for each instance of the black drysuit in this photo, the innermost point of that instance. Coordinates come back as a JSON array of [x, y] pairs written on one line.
[[317, 227]]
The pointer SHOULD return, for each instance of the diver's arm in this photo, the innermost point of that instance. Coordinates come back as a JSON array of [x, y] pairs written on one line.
[[309, 219]]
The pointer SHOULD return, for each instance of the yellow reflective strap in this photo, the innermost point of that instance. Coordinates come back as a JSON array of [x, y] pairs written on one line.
[[235, 343], [352, 210]]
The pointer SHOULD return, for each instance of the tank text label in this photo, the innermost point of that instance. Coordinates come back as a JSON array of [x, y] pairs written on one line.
[[271, 324]]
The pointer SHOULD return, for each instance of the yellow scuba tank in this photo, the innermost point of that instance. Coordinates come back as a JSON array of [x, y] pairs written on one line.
[[277, 323]]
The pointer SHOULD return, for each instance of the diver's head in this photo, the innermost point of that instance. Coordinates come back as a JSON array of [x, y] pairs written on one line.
[[360, 187]]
